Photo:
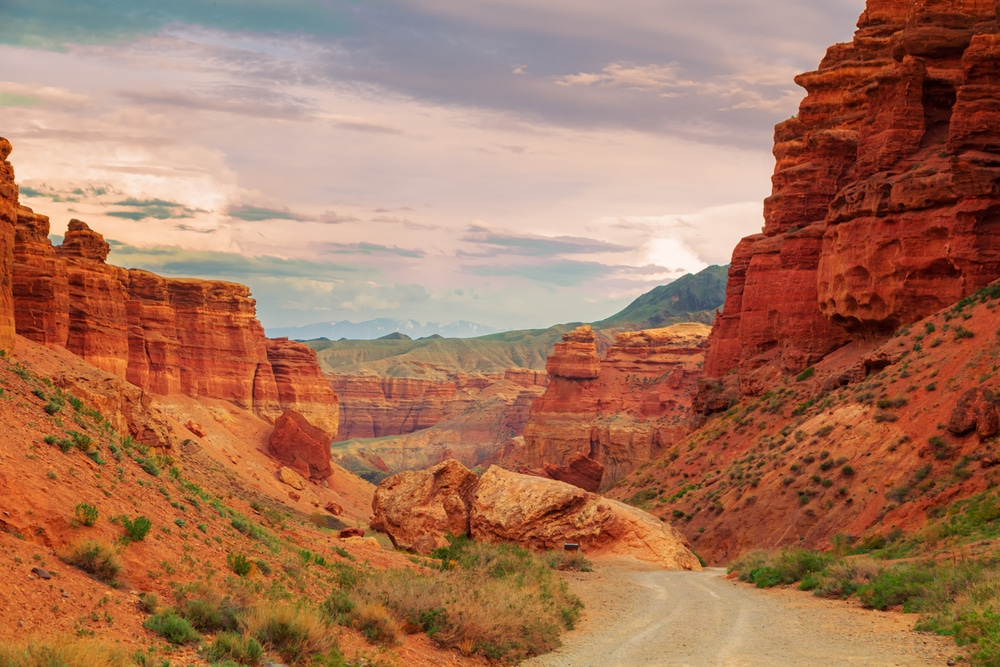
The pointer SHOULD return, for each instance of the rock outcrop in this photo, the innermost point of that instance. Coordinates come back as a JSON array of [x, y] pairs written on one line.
[[580, 470], [301, 386], [8, 220], [41, 288], [619, 415], [978, 409], [166, 336], [885, 205], [418, 510], [546, 514], [301, 446]]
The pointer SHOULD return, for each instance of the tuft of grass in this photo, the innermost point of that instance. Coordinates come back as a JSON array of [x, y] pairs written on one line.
[[805, 375], [86, 514], [236, 648], [295, 633], [239, 563], [137, 529], [95, 558]]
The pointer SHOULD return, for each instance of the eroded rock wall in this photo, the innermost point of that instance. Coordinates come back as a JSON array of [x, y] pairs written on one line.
[[620, 412], [8, 220], [885, 204]]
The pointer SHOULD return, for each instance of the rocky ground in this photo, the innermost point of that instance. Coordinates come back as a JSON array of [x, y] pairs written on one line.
[[639, 615]]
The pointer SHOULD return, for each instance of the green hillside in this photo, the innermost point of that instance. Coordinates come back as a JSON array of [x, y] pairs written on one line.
[[691, 298]]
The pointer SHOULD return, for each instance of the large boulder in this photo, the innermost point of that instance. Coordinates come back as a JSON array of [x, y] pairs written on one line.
[[545, 514], [418, 510], [301, 446], [580, 470]]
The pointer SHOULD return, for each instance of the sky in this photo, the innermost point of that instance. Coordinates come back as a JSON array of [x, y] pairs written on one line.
[[514, 163]]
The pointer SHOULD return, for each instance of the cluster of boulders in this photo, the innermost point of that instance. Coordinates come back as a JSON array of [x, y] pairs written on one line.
[[419, 510]]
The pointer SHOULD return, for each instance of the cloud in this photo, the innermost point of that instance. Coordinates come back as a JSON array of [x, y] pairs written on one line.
[[360, 124], [257, 102], [403, 222], [501, 243], [560, 273], [258, 214], [368, 249], [14, 94]]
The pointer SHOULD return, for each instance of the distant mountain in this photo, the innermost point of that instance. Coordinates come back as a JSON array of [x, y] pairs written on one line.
[[379, 328], [690, 298]]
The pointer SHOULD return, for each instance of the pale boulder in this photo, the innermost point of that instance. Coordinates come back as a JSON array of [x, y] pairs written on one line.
[[545, 514]]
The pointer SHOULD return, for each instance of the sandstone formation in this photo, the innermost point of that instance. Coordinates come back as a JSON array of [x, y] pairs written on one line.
[[418, 510], [978, 409], [301, 385], [301, 446], [885, 205], [377, 406], [8, 220], [580, 470], [40, 285], [618, 413], [166, 336], [546, 514], [291, 478]]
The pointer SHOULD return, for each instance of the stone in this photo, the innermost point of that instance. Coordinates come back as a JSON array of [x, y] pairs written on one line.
[[294, 496], [977, 409], [350, 532], [334, 509], [195, 428], [580, 470], [291, 478], [545, 514], [301, 446], [301, 386], [40, 573], [419, 510]]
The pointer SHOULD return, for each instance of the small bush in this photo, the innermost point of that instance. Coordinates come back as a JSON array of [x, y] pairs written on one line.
[[53, 407], [295, 633], [149, 602], [50, 652], [206, 609], [148, 465], [136, 530], [86, 514], [236, 648], [95, 558], [805, 375], [339, 607], [894, 587], [377, 624], [239, 564], [172, 627]]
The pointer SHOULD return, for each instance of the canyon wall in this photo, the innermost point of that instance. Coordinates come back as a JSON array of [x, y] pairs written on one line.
[[620, 411], [8, 220], [885, 204], [198, 338], [376, 406]]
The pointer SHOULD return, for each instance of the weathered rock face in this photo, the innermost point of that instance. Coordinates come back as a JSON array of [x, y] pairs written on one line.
[[575, 357], [885, 205], [418, 510], [301, 386], [41, 288], [167, 336], [978, 409], [8, 220], [636, 403], [98, 293], [376, 406], [545, 514], [580, 471], [301, 446]]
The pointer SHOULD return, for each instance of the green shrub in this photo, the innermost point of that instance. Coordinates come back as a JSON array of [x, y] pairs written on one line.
[[894, 587], [172, 627], [53, 407], [295, 633], [805, 375], [148, 465], [86, 514], [236, 648], [339, 607], [136, 530], [238, 563]]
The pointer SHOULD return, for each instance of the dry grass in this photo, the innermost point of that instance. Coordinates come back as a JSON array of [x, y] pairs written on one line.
[[295, 633], [67, 651], [95, 558], [496, 600]]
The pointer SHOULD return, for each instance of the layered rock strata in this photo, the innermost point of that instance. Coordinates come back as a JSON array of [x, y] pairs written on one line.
[[885, 204], [8, 221], [376, 407], [619, 412], [420, 509], [166, 336], [301, 446]]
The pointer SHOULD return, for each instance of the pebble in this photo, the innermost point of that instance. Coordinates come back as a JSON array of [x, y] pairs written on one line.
[[42, 574]]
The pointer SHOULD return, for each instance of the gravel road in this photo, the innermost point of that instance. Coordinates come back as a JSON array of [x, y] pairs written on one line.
[[637, 616]]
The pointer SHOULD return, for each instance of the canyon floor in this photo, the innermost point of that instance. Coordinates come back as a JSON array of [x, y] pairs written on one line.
[[639, 615]]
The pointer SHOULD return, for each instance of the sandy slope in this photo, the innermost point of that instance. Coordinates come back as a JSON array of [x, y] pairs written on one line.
[[639, 616]]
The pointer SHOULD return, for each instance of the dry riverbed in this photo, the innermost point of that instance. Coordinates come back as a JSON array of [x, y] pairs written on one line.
[[639, 616]]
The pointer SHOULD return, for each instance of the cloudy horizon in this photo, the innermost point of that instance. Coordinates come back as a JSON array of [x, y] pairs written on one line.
[[510, 163]]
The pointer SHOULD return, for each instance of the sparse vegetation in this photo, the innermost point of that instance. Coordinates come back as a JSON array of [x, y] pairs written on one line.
[[96, 559], [86, 514], [136, 529]]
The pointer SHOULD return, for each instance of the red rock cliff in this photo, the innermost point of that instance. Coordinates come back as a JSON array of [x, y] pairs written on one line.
[[166, 336], [620, 411], [885, 203], [8, 219]]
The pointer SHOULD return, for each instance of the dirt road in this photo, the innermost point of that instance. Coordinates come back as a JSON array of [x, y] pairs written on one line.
[[637, 616]]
